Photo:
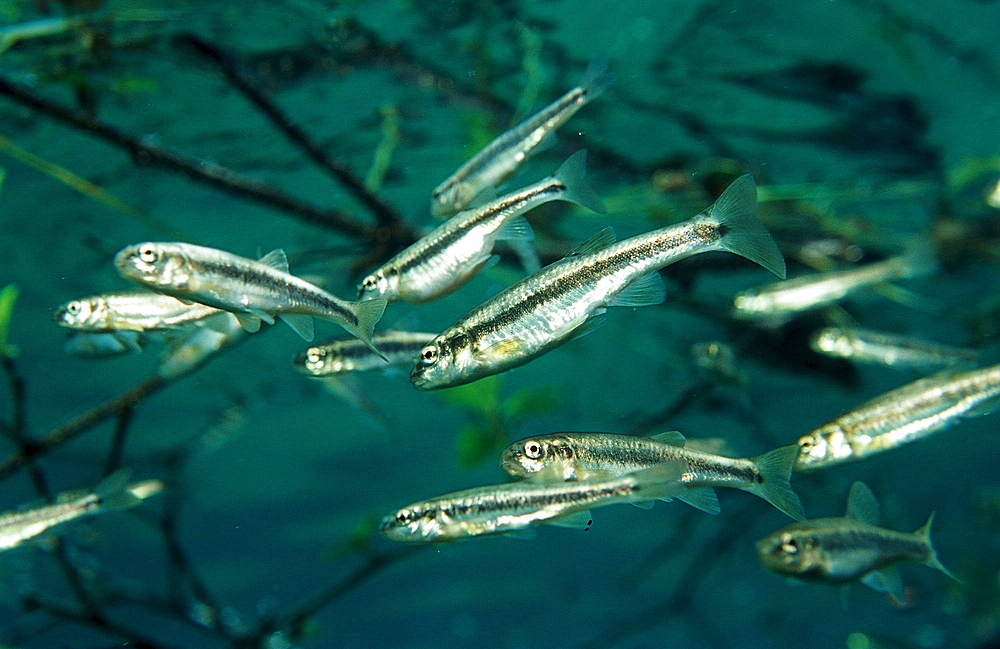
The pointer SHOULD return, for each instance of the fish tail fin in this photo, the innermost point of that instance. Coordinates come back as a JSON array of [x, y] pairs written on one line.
[[924, 533], [368, 312], [775, 468], [596, 78], [113, 493], [743, 233], [573, 175]]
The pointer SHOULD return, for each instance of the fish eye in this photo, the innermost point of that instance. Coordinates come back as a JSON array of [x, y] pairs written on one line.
[[789, 545], [533, 450], [403, 516], [370, 282], [429, 355], [147, 253], [73, 308], [315, 354]]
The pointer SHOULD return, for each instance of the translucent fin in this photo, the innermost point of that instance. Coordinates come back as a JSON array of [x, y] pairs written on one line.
[[886, 580], [573, 175], [590, 325], [600, 240], [300, 324], [263, 315], [744, 234], [645, 291], [517, 229], [861, 504], [525, 534], [596, 78], [984, 408], [643, 504], [924, 533], [672, 437], [775, 470], [275, 259], [576, 520], [527, 254], [113, 493], [249, 322], [368, 312], [129, 340], [502, 349], [702, 498], [661, 481]]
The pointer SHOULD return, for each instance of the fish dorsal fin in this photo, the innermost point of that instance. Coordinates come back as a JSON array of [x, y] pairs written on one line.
[[672, 437], [517, 229], [861, 504], [645, 291], [276, 259], [601, 239], [300, 324], [576, 520]]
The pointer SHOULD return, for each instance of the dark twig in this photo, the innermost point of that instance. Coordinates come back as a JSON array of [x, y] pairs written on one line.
[[96, 621], [118, 441]]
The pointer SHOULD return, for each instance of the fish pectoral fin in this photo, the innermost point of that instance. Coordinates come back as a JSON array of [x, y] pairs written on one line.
[[886, 580], [984, 408], [600, 240], [300, 324], [517, 229], [702, 498], [645, 291], [672, 437], [504, 349], [250, 323], [590, 325], [525, 534], [275, 259], [861, 504], [576, 520], [643, 504]]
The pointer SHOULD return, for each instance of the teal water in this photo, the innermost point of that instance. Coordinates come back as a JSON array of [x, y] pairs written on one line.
[[874, 122]]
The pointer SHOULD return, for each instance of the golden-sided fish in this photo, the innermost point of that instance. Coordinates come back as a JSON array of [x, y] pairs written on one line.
[[842, 550], [251, 290], [130, 311], [503, 508], [581, 456], [780, 301], [492, 166], [113, 493], [881, 348], [456, 250], [901, 416], [548, 308], [343, 355]]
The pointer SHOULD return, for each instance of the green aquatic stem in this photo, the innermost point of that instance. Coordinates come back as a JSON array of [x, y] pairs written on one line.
[[7, 298]]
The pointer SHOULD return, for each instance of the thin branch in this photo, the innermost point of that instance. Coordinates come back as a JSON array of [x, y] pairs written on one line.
[[91, 620]]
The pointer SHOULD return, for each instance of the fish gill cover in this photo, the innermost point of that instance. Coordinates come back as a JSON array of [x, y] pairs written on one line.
[[322, 129]]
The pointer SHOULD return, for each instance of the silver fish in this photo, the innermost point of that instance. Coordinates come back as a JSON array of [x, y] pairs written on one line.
[[343, 355], [85, 344], [201, 344], [780, 301], [503, 508], [852, 548], [901, 416], [548, 308], [581, 456], [113, 493], [498, 161], [881, 348], [130, 311], [252, 290], [456, 250]]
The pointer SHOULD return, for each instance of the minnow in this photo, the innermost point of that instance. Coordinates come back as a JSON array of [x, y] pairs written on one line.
[[852, 548], [455, 251], [498, 161], [565, 299], [581, 456], [503, 508], [253, 291], [130, 311], [85, 344], [882, 348], [343, 355], [901, 416]]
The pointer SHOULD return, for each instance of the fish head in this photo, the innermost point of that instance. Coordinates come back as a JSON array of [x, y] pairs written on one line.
[[823, 447], [382, 283], [88, 314], [751, 304], [417, 523], [450, 198], [446, 361], [156, 265], [548, 458], [794, 551], [319, 361], [833, 342]]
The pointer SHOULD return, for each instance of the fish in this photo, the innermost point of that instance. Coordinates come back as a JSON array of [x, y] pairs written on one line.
[[779, 302], [567, 299], [848, 549], [130, 311], [194, 350], [901, 416], [867, 346], [502, 157], [507, 508], [451, 254], [583, 456], [344, 355], [85, 344], [111, 494], [253, 291]]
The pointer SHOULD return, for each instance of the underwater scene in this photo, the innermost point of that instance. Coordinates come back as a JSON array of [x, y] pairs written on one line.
[[501, 324]]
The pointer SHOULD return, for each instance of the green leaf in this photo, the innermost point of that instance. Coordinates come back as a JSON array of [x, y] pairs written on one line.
[[477, 442], [481, 397], [7, 298], [529, 402]]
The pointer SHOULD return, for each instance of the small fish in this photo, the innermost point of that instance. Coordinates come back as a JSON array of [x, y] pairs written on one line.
[[503, 508], [455, 251], [901, 416], [343, 355], [843, 550], [113, 493], [565, 299], [252, 290], [104, 345], [195, 349], [880, 348], [130, 311], [583, 456], [498, 161], [780, 301]]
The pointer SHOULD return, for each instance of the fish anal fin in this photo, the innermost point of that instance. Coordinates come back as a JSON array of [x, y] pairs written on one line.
[[886, 580], [702, 498], [645, 291], [517, 229], [300, 324], [576, 520]]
